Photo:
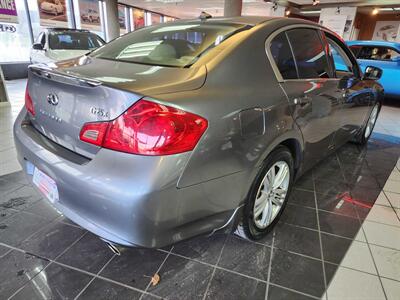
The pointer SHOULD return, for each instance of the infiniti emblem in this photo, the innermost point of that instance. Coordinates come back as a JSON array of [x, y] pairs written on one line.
[[52, 99]]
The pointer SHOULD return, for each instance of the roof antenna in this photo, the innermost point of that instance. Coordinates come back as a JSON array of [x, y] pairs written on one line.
[[204, 16]]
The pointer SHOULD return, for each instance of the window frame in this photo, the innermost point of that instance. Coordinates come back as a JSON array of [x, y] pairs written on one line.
[[323, 34]]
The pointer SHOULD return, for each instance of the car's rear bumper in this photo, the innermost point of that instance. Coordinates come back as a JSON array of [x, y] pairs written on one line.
[[129, 199]]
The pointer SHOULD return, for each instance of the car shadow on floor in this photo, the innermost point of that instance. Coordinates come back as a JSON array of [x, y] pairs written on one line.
[[44, 255]]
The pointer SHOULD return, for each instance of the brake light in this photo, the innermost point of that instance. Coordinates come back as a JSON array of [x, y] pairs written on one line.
[[29, 102], [148, 128]]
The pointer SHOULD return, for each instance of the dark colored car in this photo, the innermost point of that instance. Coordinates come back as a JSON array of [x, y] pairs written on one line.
[[183, 128]]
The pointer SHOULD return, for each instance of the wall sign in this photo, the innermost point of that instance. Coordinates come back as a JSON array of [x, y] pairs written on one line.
[[387, 31], [53, 13], [8, 11], [7, 28]]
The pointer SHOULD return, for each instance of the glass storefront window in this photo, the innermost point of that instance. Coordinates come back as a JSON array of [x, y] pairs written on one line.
[[15, 46]]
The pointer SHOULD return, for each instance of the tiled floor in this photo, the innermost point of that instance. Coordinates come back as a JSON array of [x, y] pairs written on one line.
[[339, 238]]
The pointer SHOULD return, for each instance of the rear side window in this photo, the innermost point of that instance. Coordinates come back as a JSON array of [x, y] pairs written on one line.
[[341, 61], [309, 53], [282, 55], [69, 40]]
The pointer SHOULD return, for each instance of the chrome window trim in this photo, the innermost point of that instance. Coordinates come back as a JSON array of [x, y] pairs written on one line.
[[267, 45]]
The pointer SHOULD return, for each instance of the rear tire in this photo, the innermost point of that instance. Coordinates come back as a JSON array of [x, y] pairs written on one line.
[[366, 132], [268, 195]]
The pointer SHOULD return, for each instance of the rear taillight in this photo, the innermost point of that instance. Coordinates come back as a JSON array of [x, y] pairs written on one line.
[[147, 128], [29, 102]]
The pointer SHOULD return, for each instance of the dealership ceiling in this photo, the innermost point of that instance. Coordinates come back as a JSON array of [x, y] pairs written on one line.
[[192, 8]]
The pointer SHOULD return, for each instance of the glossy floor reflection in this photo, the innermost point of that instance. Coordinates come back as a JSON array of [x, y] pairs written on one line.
[[339, 238]]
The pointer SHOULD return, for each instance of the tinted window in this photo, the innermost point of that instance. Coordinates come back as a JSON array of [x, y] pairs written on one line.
[[377, 53], [355, 50], [175, 45], [341, 61], [309, 53], [74, 40], [283, 57]]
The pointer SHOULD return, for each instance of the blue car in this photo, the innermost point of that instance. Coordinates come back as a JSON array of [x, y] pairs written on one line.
[[384, 55]]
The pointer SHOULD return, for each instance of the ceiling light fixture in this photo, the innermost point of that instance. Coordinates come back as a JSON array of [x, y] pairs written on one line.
[[311, 12], [338, 10], [315, 2], [275, 6], [287, 13], [375, 11]]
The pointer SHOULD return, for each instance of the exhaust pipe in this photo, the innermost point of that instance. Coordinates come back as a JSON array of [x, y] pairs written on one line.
[[113, 248]]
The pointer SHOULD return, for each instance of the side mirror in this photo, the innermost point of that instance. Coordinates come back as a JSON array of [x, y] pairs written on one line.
[[396, 59], [37, 46], [373, 73]]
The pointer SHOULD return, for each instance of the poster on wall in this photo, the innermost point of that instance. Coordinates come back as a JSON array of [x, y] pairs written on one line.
[[89, 14], [121, 16], [155, 18], [53, 13], [387, 31], [8, 11], [335, 23], [138, 18]]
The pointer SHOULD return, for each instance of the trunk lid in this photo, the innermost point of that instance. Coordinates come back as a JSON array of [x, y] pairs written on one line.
[[66, 98]]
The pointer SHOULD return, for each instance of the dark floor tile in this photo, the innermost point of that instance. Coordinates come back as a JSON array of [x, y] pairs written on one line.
[[297, 239], [246, 257], [275, 292], [104, 290], [17, 177], [328, 174], [3, 250], [20, 199], [301, 197], [5, 213], [364, 195], [134, 267], [337, 203], [17, 268], [54, 282], [52, 240], [89, 254], [334, 248], [297, 272], [229, 286], [203, 248], [301, 216], [305, 182], [20, 226], [182, 278], [364, 181], [339, 225], [329, 187], [44, 209], [330, 271], [8, 186]]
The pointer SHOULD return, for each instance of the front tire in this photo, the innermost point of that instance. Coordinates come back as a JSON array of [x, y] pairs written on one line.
[[369, 126], [268, 194]]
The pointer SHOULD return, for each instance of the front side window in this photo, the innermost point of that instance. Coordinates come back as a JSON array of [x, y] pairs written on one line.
[[377, 53], [309, 53], [175, 45], [69, 40], [282, 55], [341, 62]]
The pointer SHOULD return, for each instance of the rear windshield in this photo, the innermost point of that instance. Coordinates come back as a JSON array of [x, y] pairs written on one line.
[[74, 40], [175, 45]]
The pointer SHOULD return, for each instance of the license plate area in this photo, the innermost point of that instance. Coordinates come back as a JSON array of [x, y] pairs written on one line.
[[46, 185]]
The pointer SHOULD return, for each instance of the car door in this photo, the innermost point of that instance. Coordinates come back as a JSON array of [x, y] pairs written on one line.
[[386, 58], [301, 64], [354, 95]]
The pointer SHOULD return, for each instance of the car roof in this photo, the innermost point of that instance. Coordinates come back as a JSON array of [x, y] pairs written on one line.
[[246, 20], [374, 43]]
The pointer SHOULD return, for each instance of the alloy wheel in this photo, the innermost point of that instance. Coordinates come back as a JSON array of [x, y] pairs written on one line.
[[271, 194], [371, 121]]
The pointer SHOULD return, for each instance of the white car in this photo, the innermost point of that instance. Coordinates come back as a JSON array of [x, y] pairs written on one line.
[[56, 44], [56, 8]]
